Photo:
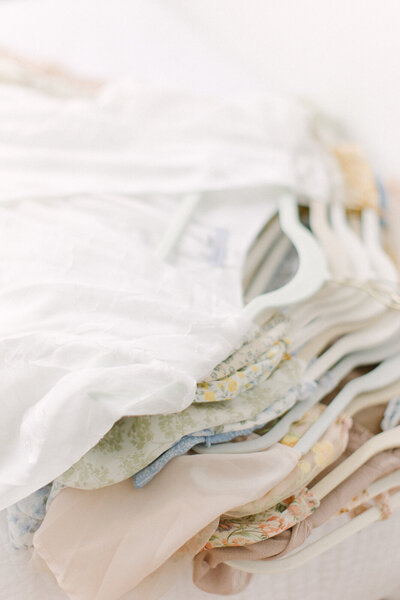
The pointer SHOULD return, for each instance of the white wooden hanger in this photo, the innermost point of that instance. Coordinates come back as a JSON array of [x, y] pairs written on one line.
[[379, 259], [384, 296], [351, 310], [351, 242], [338, 260], [327, 298], [333, 378], [384, 267], [312, 272], [384, 374], [369, 253], [378, 443], [332, 539], [374, 398], [378, 332]]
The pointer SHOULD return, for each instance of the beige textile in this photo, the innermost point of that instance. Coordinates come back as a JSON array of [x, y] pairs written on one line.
[[100, 544], [212, 575]]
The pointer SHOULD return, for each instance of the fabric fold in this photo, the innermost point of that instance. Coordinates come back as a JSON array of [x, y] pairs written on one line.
[[92, 548]]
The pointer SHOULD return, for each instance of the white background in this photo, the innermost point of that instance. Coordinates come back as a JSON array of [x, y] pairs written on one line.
[[342, 54]]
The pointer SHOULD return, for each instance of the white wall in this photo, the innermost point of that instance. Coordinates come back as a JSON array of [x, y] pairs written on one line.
[[342, 54]]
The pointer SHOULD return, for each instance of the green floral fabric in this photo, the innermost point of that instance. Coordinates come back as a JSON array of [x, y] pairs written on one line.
[[134, 442]]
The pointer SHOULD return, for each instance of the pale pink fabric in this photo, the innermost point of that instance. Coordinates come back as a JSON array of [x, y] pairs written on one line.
[[100, 544], [212, 575], [155, 585]]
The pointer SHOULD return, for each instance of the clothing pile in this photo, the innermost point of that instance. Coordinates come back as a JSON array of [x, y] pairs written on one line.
[[199, 334]]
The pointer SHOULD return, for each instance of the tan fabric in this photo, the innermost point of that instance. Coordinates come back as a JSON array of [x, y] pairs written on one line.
[[211, 575], [358, 176], [392, 217]]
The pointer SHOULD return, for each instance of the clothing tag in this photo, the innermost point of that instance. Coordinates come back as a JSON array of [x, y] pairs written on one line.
[[219, 243]]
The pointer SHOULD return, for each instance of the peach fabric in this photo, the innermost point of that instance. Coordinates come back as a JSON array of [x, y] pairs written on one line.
[[155, 585], [212, 575], [100, 544]]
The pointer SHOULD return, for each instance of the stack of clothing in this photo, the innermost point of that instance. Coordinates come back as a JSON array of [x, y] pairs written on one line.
[[119, 367]]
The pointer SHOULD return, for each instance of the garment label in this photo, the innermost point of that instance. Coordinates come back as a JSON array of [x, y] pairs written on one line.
[[219, 245]]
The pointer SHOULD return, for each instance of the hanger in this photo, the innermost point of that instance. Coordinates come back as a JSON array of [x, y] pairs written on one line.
[[311, 274], [325, 299], [330, 381], [374, 398], [368, 251], [387, 270], [348, 315], [382, 441], [256, 256], [384, 374], [338, 260], [268, 268], [375, 333], [378, 331], [330, 540], [378, 257], [353, 245]]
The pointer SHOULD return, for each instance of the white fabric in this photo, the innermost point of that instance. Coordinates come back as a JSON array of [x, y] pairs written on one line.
[[108, 329], [131, 139], [93, 326]]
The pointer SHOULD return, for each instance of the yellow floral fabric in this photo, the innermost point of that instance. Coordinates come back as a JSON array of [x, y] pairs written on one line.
[[244, 379], [253, 351], [328, 449]]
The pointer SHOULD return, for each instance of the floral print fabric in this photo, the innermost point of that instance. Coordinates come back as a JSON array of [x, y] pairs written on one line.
[[26, 516], [134, 442], [250, 352], [267, 418], [324, 452], [259, 527], [144, 476], [300, 392], [244, 379]]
